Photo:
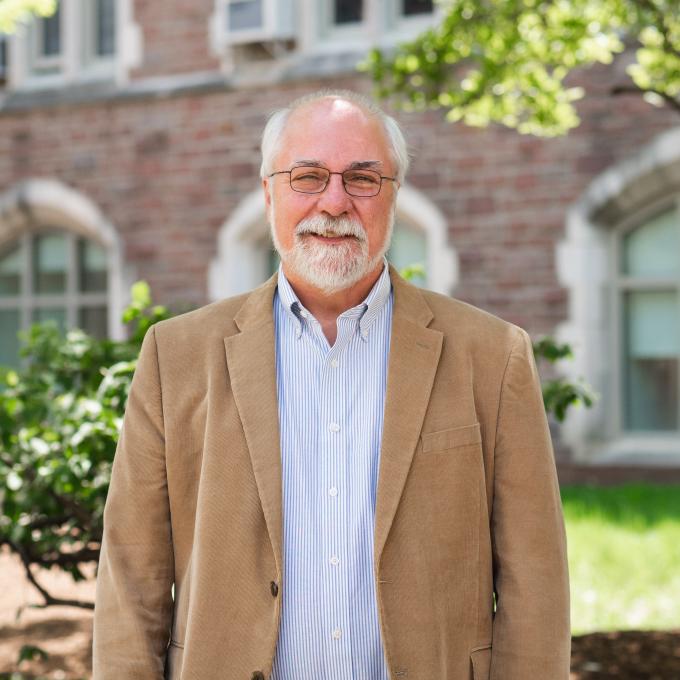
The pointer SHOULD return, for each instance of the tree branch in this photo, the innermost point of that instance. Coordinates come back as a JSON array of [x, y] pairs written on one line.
[[49, 599], [633, 89], [660, 24]]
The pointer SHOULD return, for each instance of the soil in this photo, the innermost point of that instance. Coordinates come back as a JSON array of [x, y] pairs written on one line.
[[65, 633]]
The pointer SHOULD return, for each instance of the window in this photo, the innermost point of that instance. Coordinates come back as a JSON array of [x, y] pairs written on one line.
[[408, 247], [245, 256], [47, 42], [649, 293], [51, 275], [84, 41], [620, 261], [3, 59], [100, 29], [348, 11], [412, 7]]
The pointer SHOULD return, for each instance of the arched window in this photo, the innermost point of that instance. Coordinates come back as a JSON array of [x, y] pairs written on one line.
[[621, 263], [648, 290], [60, 260], [245, 257], [51, 275]]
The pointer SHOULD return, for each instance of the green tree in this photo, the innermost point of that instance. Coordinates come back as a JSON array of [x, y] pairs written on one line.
[[60, 418], [507, 61], [14, 12]]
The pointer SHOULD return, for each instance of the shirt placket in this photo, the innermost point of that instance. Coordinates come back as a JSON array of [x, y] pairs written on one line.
[[335, 510]]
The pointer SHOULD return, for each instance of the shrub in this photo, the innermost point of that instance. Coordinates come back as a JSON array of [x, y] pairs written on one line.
[[60, 417]]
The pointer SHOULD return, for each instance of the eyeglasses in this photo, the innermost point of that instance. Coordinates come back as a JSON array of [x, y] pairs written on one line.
[[313, 180]]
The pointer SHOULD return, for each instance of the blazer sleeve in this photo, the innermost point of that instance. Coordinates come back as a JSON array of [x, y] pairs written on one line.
[[133, 603], [531, 629]]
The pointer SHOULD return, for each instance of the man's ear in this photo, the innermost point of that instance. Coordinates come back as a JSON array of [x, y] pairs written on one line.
[[266, 187]]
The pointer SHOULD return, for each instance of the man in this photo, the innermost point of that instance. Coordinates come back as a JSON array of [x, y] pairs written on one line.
[[342, 476]]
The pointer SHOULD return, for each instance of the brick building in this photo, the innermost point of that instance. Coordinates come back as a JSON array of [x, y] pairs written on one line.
[[129, 135]]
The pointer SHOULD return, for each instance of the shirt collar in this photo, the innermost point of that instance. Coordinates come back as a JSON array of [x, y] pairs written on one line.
[[367, 311]]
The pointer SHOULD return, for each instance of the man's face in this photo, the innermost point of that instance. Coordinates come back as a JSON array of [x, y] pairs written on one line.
[[331, 240]]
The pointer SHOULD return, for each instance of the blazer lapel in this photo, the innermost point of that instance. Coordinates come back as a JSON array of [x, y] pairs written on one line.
[[251, 361], [414, 356]]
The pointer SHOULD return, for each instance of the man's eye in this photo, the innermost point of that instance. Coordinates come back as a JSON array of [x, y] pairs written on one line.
[[309, 177], [361, 179]]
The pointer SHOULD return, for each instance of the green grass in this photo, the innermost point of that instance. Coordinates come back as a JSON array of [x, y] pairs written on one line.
[[624, 556]]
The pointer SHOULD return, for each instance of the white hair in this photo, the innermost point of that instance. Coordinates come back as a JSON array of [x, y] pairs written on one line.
[[273, 130]]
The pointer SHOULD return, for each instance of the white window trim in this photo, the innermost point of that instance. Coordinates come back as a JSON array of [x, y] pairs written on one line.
[[74, 69], [382, 26], [49, 202], [40, 61], [240, 264], [71, 299], [647, 182]]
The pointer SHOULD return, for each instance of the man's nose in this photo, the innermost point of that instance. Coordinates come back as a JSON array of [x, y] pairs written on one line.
[[334, 200]]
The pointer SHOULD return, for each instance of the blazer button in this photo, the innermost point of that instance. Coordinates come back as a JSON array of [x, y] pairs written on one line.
[[274, 588], [257, 675]]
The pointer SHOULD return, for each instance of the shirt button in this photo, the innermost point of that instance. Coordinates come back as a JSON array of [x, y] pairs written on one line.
[[334, 427], [303, 313], [364, 334], [333, 491], [335, 560], [334, 363], [337, 633]]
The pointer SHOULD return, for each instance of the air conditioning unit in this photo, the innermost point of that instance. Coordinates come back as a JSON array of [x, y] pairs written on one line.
[[247, 21]]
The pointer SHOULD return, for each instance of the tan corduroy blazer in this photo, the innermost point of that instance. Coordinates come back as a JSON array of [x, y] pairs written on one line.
[[470, 555]]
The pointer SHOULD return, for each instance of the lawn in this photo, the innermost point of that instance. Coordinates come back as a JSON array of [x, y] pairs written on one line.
[[624, 556]]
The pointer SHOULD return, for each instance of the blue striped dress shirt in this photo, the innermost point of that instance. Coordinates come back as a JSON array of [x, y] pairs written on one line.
[[331, 403]]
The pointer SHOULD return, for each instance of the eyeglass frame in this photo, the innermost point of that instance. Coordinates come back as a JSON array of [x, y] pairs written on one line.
[[325, 186]]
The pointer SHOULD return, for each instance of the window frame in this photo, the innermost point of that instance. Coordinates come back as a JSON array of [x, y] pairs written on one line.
[[619, 285], [79, 62], [71, 299], [4, 62], [635, 187], [383, 26], [88, 23], [243, 244], [41, 63]]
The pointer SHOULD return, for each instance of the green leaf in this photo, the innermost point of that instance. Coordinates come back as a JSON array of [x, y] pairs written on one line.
[[31, 652], [506, 61]]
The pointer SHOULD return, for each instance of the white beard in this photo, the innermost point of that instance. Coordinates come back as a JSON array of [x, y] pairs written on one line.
[[335, 266]]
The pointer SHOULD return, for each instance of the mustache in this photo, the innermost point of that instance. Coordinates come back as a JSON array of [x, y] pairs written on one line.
[[325, 225]]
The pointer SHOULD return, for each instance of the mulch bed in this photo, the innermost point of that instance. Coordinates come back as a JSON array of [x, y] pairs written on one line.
[[628, 655]]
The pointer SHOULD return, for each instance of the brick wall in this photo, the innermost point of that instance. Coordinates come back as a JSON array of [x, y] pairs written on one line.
[[175, 36], [167, 172]]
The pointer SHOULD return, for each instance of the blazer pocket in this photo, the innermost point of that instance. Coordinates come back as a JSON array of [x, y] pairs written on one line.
[[481, 663], [445, 440]]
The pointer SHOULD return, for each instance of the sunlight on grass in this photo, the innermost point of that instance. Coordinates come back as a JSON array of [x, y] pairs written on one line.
[[624, 557]]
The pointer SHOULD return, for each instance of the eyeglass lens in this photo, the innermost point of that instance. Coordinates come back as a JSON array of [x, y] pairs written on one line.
[[312, 180]]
